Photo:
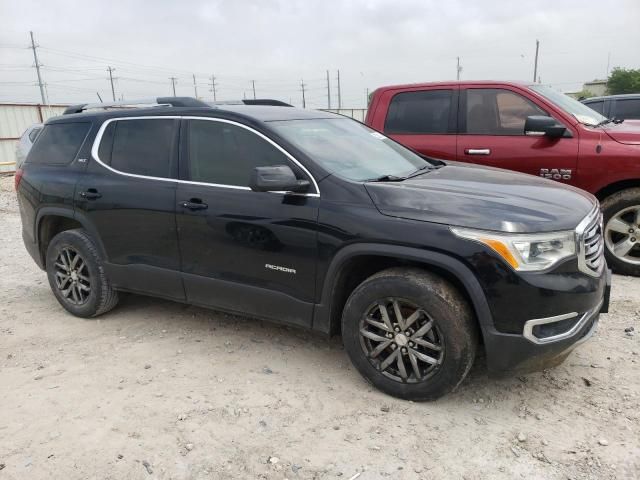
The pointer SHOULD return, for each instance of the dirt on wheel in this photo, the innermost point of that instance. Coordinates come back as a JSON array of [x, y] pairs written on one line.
[[156, 389]]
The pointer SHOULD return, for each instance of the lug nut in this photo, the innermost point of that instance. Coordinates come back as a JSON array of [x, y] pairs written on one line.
[[393, 346], [633, 239], [389, 335], [411, 344], [397, 329], [631, 230], [404, 349]]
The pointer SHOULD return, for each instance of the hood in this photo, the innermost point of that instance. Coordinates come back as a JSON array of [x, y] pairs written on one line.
[[627, 132], [484, 198]]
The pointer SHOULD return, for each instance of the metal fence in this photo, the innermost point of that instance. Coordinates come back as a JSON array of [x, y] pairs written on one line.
[[15, 118], [355, 113]]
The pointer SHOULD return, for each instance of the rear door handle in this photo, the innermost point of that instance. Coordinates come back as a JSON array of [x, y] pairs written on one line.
[[91, 194], [194, 204], [477, 151]]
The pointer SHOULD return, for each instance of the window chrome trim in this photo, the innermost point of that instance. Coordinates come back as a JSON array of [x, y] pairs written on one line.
[[588, 315], [96, 146]]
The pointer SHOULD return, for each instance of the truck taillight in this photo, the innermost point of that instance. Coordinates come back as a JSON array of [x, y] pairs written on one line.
[[17, 178]]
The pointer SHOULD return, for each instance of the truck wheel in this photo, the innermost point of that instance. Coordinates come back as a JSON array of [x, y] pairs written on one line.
[[76, 275], [621, 213], [410, 333]]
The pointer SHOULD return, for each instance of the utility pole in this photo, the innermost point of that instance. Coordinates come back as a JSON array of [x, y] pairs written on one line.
[[366, 102], [213, 86], [113, 91], [253, 83], [173, 84], [535, 64], [328, 91], [37, 65], [608, 63], [195, 86], [339, 95], [304, 103], [458, 69]]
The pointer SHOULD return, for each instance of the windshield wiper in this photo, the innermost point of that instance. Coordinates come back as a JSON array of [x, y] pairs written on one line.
[[603, 122], [386, 178], [423, 169]]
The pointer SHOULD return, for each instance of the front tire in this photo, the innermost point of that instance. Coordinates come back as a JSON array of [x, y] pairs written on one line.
[[410, 333], [621, 212], [76, 275]]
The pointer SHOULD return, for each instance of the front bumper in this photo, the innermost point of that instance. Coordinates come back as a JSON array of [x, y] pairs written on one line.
[[545, 342]]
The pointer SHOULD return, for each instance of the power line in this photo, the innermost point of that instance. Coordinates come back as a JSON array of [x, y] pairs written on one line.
[[113, 90], [339, 94], [37, 65], [213, 86], [173, 84], [328, 91]]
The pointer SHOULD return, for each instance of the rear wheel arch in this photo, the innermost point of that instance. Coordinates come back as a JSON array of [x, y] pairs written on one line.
[[54, 220], [355, 263]]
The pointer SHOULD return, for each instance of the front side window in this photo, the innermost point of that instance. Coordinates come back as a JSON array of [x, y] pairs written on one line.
[[493, 111], [628, 108], [226, 154], [597, 106], [349, 149], [59, 143], [140, 146], [425, 112]]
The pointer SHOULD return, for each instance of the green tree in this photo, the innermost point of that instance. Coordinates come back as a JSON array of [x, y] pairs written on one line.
[[623, 80]]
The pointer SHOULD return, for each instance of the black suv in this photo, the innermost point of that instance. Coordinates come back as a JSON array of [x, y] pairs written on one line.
[[315, 220]]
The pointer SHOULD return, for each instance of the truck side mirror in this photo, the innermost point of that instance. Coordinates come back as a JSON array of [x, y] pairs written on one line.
[[278, 178], [540, 125]]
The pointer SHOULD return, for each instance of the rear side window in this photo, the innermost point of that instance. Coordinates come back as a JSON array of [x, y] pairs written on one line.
[[140, 147], [628, 108], [597, 106], [227, 154], [59, 143], [419, 112]]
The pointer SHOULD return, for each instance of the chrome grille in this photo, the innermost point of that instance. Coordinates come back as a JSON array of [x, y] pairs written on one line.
[[591, 243]]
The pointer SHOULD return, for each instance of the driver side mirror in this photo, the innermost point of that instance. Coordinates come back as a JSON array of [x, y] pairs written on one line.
[[278, 178], [540, 125]]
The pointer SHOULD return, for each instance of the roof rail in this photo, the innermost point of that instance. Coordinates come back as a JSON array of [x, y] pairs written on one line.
[[148, 102], [253, 101]]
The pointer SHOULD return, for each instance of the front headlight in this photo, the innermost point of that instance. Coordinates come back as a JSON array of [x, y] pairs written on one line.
[[525, 252]]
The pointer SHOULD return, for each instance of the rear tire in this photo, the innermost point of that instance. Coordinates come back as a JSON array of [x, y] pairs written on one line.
[[621, 212], [76, 275], [437, 338]]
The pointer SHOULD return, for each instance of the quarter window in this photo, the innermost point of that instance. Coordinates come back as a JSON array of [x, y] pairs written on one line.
[[227, 154], [141, 146], [419, 112], [497, 112]]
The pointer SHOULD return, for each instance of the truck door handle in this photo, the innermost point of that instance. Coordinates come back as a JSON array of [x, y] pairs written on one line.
[[194, 204], [477, 151], [90, 194]]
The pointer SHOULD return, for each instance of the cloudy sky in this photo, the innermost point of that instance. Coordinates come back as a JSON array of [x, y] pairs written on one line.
[[279, 43]]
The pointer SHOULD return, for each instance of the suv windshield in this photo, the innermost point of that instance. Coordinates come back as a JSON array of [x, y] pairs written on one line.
[[581, 112], [350, 149]]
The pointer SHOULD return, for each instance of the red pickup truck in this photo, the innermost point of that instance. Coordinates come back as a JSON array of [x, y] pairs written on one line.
[[530, 128]]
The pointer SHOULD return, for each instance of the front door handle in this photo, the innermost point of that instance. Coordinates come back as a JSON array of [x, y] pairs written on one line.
[[194, 204], [91, 194], [477, 151]]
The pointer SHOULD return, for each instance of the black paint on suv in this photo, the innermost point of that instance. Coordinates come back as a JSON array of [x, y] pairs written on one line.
[[314, 220]]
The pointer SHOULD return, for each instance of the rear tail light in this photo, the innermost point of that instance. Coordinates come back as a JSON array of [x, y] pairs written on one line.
[[17, 178]]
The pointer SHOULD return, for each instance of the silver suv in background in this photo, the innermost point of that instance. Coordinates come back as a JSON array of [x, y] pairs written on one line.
[[26, 142]]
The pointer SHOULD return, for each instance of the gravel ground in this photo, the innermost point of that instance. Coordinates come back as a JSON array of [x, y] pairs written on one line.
[[156, 389]]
